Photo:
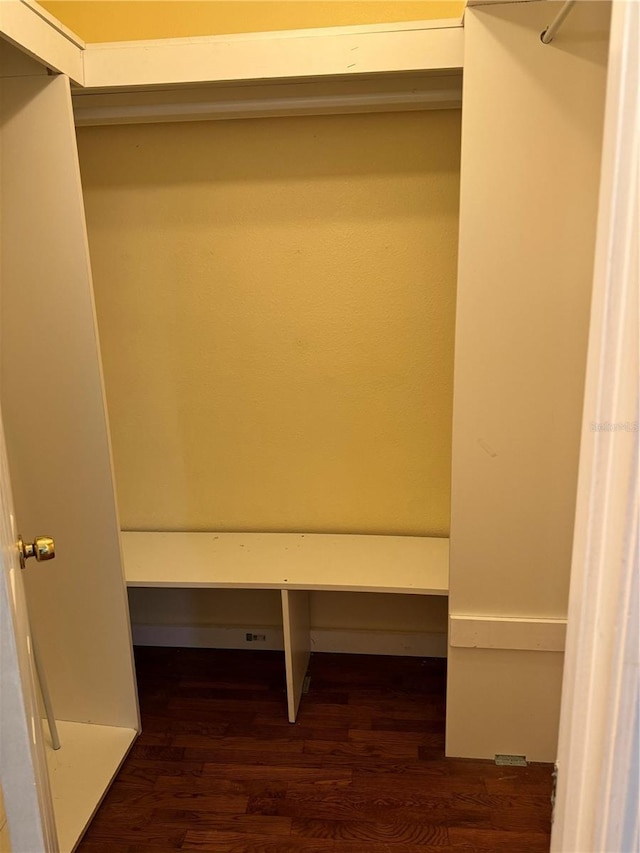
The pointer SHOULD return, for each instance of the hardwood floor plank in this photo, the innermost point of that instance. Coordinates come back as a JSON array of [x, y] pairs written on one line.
[[250, 684], [144, 847], [159, 837], [194, 801], [499, 841], [251, 824], [393, 736], [504, 802], [299, 731], [317, 696], [172, 727], [156, 753], [261, 757], [320, 719], [419, 777], [390, 724], [379, 749], [222, 707], [386, 847], [193, 711], [123, 828], [365, 831], [231, 842], [238, 744], [211, 784], [330, 715], [525, 782], [346, 804], [273, 772], [144, 774]]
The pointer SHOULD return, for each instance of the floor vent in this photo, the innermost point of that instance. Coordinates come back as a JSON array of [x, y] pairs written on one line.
[[511, 760]]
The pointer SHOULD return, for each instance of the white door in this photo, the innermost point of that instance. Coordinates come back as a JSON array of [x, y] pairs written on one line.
[[23, 769]]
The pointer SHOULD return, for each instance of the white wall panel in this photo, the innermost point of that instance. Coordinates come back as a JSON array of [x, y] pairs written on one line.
[[532, 130]]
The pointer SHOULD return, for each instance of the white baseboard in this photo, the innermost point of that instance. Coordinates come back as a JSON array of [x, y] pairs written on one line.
[[500, 632], [411, 644], [208, 636], [398, 643]]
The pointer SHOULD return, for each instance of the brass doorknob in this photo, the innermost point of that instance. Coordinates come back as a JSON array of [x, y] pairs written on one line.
[[42, 548]]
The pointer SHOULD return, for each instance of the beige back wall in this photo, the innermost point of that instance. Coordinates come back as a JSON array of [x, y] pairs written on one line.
[[124, 20], [276, 307]]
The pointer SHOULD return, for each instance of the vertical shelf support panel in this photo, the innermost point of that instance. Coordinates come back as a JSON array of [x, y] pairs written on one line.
[[297, 644], [54, 411]]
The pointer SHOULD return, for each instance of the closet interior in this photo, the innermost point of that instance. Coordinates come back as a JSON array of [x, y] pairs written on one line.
[[343, 384]]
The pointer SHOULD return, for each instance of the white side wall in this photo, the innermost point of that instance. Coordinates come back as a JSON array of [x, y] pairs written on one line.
[[54, 411], [532, 130]]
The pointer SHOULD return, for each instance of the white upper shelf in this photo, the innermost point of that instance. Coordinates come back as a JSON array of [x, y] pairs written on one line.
[[313, 53], [416, 47], [341, 562]]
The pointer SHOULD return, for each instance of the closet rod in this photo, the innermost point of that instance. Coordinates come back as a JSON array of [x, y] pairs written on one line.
[[547, 36]]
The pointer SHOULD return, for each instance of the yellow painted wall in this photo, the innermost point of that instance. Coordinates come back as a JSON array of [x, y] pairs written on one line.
[[276, 306], [5, 841], [124, 20]]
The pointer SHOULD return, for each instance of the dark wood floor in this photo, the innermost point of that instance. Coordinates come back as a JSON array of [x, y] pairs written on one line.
[[218, 768]]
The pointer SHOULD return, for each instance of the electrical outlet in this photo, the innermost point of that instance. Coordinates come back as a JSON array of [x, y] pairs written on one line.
[[255, 638]]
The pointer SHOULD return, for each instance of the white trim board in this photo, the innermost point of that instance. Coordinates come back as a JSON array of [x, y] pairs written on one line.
[[335, 640], [503, 632], [268, 56], [333, 562], [54, 22], [43, 38]]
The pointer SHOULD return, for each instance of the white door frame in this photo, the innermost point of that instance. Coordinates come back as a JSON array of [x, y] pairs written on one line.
[[598, 753]]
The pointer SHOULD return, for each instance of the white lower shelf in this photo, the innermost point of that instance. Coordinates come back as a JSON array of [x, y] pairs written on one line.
[[80, 773], [315, 561]]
